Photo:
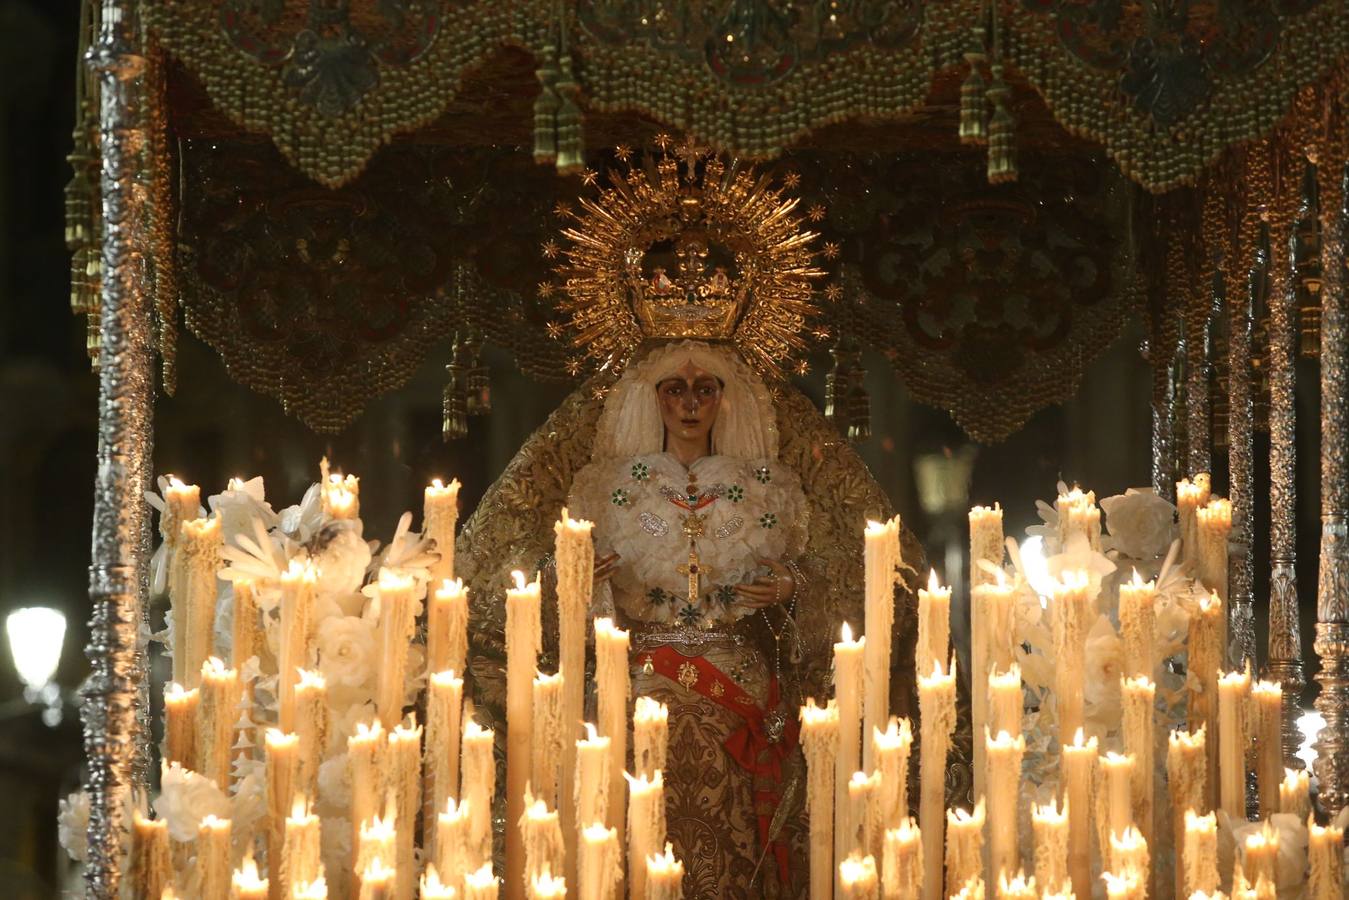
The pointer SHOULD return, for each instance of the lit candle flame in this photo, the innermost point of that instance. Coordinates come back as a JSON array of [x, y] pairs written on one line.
[[847, 633], [932, 583]]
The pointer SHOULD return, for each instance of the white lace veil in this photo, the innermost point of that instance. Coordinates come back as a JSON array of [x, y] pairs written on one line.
[[630, 425]]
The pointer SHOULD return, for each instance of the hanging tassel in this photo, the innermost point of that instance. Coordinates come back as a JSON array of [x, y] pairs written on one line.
[[545, 110], [1001, 133], [477, 383], [570, 137], [454, 407], [973, 109]]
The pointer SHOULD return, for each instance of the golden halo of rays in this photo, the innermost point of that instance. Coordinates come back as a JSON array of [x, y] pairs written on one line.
[[641, 198]]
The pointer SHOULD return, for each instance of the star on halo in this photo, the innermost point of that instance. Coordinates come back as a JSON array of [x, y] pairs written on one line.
[[550, 249], [554, 330], [802, 367], [816, 213], [791, 181], [833, 292], [622, 152], [589, 177], [663, 141], [831, 250], [545, 290], [562, 209]]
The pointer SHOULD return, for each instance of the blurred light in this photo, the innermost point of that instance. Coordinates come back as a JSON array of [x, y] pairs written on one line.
[[1310, 724], [36, 634], [1036, 566]]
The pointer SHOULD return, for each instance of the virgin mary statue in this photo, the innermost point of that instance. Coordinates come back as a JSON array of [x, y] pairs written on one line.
[[728, 513]]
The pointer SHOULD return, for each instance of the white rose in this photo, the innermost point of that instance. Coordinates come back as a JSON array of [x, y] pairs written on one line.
[[342, 557], [239, 508], [346, 650], [1100, 688], [72, 824], [334, 785], [186, 798], [1141, 525]]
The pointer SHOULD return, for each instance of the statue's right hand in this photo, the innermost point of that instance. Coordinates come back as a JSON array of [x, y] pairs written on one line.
[[605, 567]]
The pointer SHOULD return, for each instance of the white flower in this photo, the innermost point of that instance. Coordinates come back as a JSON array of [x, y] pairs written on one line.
[[238, 507], [72, 824], [342, 725], [334, 786], [1100, 688], [1078, 556], [342, 557], [346, 647], [1141, 525], [1290, 871], [300, 522], [260, 558], [250, 798], [408, 554], [186, 798]]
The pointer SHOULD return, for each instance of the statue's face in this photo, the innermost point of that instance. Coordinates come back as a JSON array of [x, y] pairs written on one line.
[[689, 402]]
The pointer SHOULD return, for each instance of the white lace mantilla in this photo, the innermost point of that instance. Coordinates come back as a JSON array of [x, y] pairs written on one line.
[[750, 509]]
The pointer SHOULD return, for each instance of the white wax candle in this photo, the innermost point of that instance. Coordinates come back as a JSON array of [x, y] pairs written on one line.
[[546, 752], [1005, 700], [478, 777], [544, 850], [1004, 785], [1186, 771], [600, 865], [452, 836], [936, 705], [862, 821], [991, 630], [1200, 853], [299, 589], [523, 644], [432, 888], [611, 693], [592, 777], [848, 671], [405, 790], [367, 755], [1204, 647], [664, 876], [213, 856], [650, 735], [300, 855], [934, 626], [440, 514], [1262, 854], [245, 883], [964, 848], [1017, 887], [311, 727], [880, 559], [1268, 703], [819, 741], [151, 871], [574, 551], [1326, 853], [1137, 620], [857, 877], [192, 597], [397, 625], [1295, 793], [180, 725], [646, 827], [1069, 601], [281, 761], [986, 543], [1137, 695], [891, 753], [1079, 769], [1234, 693], [1050, 826], [481, 884], [902, 862], [1128, 852], [447, 627], [444, 721]]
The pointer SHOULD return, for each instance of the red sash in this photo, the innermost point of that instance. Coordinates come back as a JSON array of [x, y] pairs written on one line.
[[749, 744]]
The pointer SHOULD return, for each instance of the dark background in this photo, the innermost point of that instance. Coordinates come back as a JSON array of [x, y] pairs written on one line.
[[214, 429]]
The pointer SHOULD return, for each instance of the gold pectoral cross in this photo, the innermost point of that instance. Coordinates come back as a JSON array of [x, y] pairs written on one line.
[[695, 571]]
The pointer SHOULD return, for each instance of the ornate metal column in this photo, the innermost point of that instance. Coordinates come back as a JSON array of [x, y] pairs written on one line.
[[1240, 453], [1332, 604], [1285, 630], [121, 525], [1163, 417], [1199, 365]]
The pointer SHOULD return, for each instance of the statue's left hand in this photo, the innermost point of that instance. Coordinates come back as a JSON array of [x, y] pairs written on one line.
[[766, 591]]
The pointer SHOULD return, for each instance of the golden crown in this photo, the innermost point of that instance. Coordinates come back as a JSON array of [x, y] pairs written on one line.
[[683, 244]]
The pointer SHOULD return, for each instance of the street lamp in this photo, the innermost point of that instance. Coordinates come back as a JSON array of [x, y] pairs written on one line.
[[36, 634]]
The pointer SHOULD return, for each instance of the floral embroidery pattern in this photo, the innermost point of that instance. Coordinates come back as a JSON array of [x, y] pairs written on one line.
[[659, 597], [725, 595], [689, 615], [619, 497], [640, 472], [762, 475], [688, 675], [768, 520], [735, 493]]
